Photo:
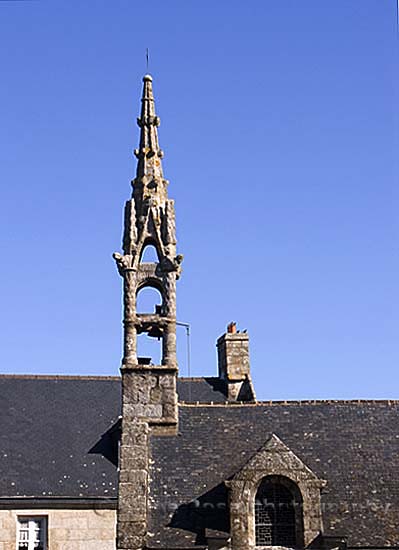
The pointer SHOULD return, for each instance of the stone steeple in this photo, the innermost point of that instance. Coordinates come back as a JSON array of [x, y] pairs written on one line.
[[149, 397], [150, 220], [149, 180]]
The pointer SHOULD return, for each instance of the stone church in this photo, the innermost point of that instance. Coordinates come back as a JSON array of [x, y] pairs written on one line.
[[152, 461]]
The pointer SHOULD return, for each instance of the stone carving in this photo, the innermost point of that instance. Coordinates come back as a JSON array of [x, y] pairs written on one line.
[[170, 232], [169, 282], [130, 232], [122, 262]]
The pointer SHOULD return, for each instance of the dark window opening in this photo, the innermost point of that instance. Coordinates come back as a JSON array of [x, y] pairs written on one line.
[[275, 521]]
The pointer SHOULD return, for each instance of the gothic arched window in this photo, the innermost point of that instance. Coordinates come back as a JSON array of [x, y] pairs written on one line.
[[278, 513], [149, 254]]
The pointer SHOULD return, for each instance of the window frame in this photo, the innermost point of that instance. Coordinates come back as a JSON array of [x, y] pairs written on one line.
[[297, 509], [32, 520]]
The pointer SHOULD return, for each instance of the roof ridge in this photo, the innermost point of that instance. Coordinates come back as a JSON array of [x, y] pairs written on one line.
[[291, 402]]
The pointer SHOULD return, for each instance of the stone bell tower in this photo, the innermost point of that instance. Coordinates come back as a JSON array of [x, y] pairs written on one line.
[[150, 220], [149, 397]]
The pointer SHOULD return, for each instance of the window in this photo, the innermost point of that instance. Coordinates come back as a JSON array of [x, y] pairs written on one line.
[[149, 254], [148, 300], [275, 500], [275, 522], [31, 533]]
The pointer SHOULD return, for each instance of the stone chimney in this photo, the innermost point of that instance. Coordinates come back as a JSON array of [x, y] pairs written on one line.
[[233, 359]]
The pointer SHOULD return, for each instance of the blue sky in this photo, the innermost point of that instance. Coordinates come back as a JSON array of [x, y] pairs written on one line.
[[279, 122]]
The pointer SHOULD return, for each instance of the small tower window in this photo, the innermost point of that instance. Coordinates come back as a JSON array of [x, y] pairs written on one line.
[[276, 509], [148, 300], [149, 254]]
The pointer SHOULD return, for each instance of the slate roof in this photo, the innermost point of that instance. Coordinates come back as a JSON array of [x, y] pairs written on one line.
[[57, 433], [58, 438], [202, 390], [53, 436], [352, 445]]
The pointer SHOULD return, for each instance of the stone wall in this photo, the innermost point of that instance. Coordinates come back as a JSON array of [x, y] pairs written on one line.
[[149, 394], [66, 529], [133, 484]]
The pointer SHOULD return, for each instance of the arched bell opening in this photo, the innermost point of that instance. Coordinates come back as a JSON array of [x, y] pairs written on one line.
[[149, 300], [149, 253], [278, 513], [149, 349], [150, 337]]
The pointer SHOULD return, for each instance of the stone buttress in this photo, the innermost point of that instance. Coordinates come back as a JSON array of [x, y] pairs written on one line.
[[149, 398]]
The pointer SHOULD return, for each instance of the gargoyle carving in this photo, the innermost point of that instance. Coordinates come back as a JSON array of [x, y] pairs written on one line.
[[122, 262], [167, 265]]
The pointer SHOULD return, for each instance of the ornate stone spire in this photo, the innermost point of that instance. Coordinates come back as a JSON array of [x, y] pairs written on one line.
[[149, 180], [149, 396], [150, 220]]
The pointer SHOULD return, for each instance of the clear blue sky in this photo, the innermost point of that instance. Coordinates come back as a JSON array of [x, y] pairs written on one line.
[[280, 131]]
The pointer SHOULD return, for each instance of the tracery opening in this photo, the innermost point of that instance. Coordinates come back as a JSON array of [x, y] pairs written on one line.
[[149, 254], [278, 513]]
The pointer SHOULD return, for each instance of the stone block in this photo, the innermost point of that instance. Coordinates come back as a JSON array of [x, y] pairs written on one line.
[[130, 541], [133, 435], [5, 535], [147, 410], [139, 485], [169, 398], [129, 455], [131, 535], [168, 381], [128, 475], [71, 520], [134, 510], [156, 395], [170, 412]]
